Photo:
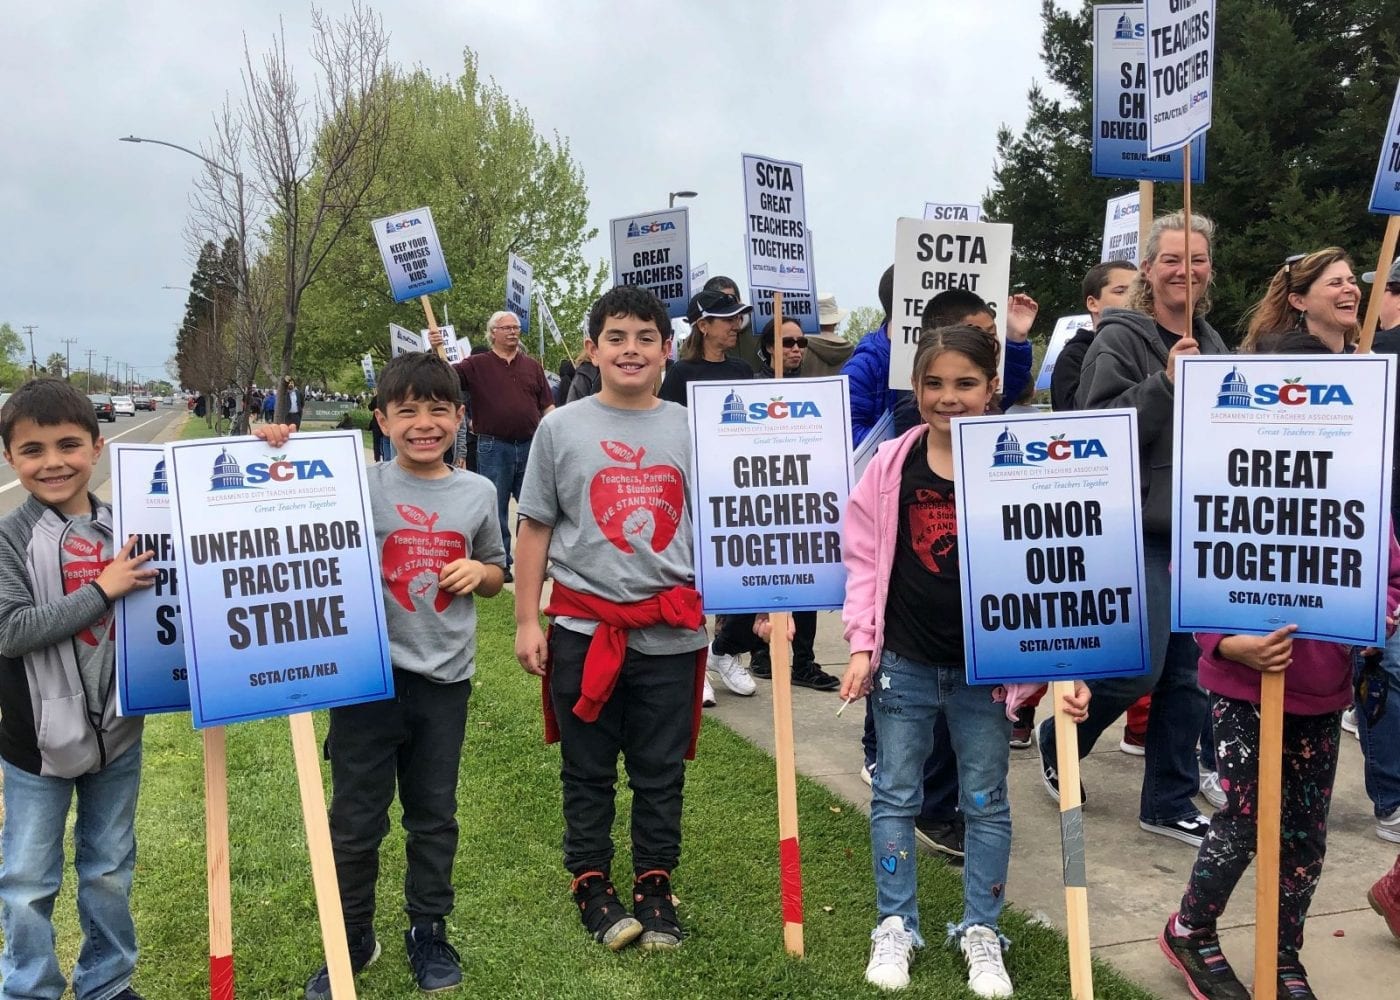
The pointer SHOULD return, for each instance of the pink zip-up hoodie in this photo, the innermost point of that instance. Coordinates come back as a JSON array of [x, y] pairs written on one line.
[[870, 537]]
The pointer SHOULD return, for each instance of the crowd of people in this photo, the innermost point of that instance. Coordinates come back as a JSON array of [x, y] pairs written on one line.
[[626, 660]]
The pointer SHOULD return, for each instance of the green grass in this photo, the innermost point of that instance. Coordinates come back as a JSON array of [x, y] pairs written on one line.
[[514, 923]]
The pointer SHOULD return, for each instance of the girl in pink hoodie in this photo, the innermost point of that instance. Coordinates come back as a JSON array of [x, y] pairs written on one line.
[[903, 618]]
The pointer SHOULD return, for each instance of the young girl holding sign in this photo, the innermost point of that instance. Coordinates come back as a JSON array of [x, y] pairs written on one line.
[[903, 616]]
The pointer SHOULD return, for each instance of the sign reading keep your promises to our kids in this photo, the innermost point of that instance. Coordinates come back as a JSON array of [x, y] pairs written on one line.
[[408, 243], [279, 576], [1281, 495], [1049, 540], [775, 225], [772, 471], [652, 251], [150, 646], [1180, 71], [1120, 103]]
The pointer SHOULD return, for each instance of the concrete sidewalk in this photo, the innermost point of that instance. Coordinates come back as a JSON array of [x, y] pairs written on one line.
[[1135, 878]]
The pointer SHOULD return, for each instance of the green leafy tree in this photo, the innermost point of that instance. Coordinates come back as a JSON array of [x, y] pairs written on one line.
[[1302, 90], [12, 350], [56, 365], [862, 320]]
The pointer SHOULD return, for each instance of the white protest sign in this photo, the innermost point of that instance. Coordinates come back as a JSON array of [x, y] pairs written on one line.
[[150, 642], [1120, 228], [404, 341], [699, 274], [775, 225], [938, 211], [520, 283], [367, 366], [1281, 495], [547, 318], [882, 431], [408, 244], [800, 307], [652, 251], [1049, 546], [933, 257], [772, 472], [1065, 329], [1180, 71], [452, 348], [1385, 193], [279, 576]]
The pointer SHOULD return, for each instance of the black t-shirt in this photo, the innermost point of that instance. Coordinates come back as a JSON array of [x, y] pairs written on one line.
[[923, 612], [1169, 339], [683, 372]]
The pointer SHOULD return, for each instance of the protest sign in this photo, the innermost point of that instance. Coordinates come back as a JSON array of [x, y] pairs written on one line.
[[1281, 495], [408, 244], [652, 251], [1385, 193], [775, 227], [367, 366], [882, 431], [1180, 71], [1065, 329], [771, 476], [547, 319], [932, 257], [150, 646], [800, 307], [1049, 546], [453, 350], [403, 341], [520, 283], [699, 274], [1120, 103], [938, 211], [1120, 228], [279, 576]]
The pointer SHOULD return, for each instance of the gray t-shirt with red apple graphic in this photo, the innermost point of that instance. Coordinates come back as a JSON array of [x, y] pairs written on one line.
[[615, 487], [421, 525]]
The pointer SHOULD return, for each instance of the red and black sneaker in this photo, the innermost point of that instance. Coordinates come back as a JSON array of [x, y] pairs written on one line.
[[1198, 956], [654, 907], [602, 913]]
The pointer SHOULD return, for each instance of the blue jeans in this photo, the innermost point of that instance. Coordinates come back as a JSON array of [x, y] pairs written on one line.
[[940, 770], [503, 462], [908, 699], [1170, 777], [31, 871], [1380, 744]]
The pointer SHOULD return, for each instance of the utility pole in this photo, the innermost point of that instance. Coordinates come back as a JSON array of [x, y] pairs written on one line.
[[68, 343], [90, 353], [106, 381], [33, 359]]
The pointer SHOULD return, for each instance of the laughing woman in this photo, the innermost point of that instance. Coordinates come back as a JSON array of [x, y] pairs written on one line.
[[1316, 293]]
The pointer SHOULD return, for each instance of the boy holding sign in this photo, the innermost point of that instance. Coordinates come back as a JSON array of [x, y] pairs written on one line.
[[606, 502], [56, 648]]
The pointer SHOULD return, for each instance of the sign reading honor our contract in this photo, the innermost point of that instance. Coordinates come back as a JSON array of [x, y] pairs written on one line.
[[1049, 540], [408, 244], [652, 251], [775, 225], [1180, 72], [150, 647], [1281, 495], [772, 473], [279, 576]]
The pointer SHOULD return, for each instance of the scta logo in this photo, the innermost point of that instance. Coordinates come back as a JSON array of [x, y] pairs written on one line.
[[648, 228], [280, 470], [1294, 393], [394, 227], [781, 409], [1059, 449]]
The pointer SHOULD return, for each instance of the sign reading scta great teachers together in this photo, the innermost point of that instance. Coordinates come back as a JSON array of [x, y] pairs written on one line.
[[775, 225], [772, 472], [1281, 495], [279, 576]]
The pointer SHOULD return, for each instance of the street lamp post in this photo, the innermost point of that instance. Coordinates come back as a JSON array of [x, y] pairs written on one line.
[[671, 202]]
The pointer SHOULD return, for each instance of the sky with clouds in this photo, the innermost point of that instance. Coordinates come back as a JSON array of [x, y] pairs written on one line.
[[886, 104]]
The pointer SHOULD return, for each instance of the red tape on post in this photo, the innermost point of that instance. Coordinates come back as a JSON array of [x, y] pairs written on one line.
[[220, 977], [790, 866]]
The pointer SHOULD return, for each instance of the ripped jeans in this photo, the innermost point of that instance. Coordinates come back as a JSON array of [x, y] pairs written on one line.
[[907, 698]]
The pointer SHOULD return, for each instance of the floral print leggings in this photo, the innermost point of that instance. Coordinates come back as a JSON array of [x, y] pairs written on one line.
[[1310, 748]]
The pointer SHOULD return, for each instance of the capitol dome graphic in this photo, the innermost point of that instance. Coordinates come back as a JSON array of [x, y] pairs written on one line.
[[734, 412], [1008, 450], [1234, 392], [227, 473], [158, 483], [1124, 29]]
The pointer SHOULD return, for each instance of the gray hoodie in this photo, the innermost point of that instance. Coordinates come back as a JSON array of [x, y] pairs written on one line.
[[1126, 366]]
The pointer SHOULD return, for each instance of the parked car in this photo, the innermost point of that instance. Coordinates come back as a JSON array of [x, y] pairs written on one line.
[[102, 405], [124, 404], [144, 402]]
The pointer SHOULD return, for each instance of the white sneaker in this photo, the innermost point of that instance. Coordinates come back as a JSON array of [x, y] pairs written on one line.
[[707, 697], [891, 951], [986, 975], [867, 774], [732, 673], [1388, 827], [1211, 790], [1349, 723]]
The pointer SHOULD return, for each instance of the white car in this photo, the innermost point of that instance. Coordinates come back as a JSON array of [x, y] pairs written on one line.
[[124, 404]]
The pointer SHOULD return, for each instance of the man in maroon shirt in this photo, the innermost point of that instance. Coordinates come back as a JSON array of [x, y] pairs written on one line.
[[509, 395]]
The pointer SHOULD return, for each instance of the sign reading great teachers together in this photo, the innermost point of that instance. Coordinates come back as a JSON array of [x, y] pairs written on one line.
[[279, 574], [1180, 71], [652, 251]]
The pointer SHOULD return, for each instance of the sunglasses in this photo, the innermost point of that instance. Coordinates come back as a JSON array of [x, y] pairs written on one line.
[[1288, 263], [794, 341]]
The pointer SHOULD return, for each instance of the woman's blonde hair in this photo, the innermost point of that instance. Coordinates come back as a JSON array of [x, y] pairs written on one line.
[[1140, 295]]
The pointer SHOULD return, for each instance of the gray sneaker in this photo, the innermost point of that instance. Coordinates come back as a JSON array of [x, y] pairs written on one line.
[[364, 949]]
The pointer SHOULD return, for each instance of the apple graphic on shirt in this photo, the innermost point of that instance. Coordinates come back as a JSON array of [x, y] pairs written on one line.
[[630, 499], [83, 563], [411, 553]]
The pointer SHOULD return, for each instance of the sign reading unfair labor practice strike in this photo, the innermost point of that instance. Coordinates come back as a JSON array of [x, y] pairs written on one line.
[[413, 260], [150, 646], [772, 471], [1049, 546], [1180, 71], [652, 251], [775, 225], [1281, 495], [1120, 103], [279, 576]]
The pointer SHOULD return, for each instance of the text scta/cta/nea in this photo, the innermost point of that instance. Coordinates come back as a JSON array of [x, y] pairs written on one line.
[[292, 619], [772, 509]]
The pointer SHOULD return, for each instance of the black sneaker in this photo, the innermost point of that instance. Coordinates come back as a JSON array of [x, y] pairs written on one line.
[[364, 949], [654, 908], [811, 675], [435, 963], [1200, 960], [1189, 830], [128, 994], [761, 666], [1293, 980], [1049, 772], [943, 836], [1023, 729], [602, 913]]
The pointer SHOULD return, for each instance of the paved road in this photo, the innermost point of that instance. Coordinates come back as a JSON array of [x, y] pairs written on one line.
[[144, 427]]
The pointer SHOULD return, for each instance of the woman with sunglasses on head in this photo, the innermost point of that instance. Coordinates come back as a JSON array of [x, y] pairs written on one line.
[[1316, 293]]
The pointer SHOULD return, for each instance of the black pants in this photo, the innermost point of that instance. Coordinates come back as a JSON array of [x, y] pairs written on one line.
[[648, 720], [414, 740], [735, 637]]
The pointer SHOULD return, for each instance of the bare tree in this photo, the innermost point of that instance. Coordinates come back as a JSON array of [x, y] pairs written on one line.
[[315, 164]]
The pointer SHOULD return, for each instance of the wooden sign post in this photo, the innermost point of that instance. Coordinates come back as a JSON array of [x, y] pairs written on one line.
[[1269, 815], [1081, 973], [1146, 193], [221, 982], [434, 335]]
